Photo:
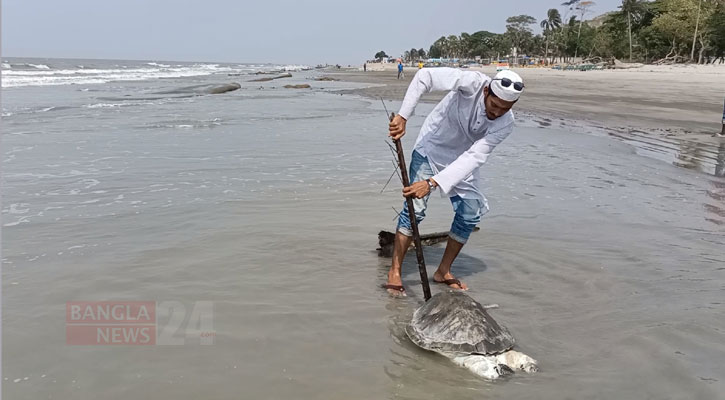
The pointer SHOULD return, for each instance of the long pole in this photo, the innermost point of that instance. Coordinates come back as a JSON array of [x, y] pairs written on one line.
[[413, 221]]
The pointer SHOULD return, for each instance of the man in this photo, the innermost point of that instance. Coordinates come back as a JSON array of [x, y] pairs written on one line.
[[400, 69], [456, 138]]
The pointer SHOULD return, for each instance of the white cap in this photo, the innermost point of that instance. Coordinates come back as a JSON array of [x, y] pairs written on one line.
[[506, 93]]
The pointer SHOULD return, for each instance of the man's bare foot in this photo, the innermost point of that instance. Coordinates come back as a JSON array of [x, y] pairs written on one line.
[[449, 280], [394, 286]]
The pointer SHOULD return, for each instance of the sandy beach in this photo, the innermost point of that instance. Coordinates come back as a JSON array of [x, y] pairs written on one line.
[[267, 201], [685, 100]]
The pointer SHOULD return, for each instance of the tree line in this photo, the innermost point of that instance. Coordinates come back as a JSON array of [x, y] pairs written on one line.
[[640, 30]]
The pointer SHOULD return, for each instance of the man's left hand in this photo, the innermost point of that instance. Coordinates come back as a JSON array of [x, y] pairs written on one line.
[[418, 190]]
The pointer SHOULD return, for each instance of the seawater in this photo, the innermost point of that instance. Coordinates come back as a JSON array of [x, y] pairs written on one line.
[[607, 266]]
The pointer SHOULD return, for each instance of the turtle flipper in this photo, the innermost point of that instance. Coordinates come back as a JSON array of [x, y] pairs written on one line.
[[486, 366], [517, 361]]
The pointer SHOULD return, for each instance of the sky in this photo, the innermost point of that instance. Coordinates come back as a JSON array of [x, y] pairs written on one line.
[[276, 31]]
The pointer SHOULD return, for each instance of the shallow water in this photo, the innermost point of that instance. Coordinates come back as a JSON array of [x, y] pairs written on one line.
[[607, 266]]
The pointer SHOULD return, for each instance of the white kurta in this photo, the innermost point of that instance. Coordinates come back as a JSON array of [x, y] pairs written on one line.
[[457, 136]]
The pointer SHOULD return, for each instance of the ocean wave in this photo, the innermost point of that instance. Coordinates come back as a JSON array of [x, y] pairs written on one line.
[[186, 124], [38, 66], [6, 66], [293, 68], [103, 105], [158, 65], [88, 76], [33, 110]]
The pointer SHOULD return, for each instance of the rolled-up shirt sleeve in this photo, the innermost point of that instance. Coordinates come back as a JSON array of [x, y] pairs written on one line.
[[474, 157], [428, 80]]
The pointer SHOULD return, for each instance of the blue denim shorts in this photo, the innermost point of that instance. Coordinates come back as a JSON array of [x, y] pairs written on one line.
[[468, 211]]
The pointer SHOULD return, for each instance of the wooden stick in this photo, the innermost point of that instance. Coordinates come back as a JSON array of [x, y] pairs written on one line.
[[413, 221]]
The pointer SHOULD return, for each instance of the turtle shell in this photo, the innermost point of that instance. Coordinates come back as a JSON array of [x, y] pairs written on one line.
[[453, 322]]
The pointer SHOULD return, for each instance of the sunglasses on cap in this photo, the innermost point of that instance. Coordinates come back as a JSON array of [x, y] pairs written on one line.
[[506, 82]]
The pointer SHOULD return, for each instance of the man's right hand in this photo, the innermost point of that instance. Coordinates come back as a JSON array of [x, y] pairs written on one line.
[[397, 127]]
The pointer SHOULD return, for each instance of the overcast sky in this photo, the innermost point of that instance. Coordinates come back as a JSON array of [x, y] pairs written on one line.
[[277, 31]]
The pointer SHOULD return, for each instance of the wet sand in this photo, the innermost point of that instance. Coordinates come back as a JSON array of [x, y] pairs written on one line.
[[607, 266], [687, 101], [644, 107]]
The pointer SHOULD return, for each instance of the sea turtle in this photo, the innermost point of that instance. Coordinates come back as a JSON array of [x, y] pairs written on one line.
[[455, 325]]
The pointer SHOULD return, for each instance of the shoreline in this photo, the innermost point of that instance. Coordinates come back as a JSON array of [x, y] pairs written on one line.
[[651, 97], [644, 107]]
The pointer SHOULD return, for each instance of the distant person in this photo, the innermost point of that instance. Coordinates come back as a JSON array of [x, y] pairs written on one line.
[[420, 64], [400, 70], [365, 67], [456, 139]]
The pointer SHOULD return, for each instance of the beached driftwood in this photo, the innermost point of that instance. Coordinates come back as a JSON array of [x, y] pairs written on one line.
[[271, 78], [214, 88], [326, 78], [300, 86], [671, 59], [386, 241], [621, 65]]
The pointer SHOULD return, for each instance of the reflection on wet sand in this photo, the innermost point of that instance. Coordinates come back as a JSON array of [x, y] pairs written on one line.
[[708, 158], [697, 156], [716, 210], [700, 156]]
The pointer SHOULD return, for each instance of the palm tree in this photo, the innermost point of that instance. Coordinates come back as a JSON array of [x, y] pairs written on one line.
[[454, 44], [699, 9], [583, 7], [443, 46], [552, 21], [634, 9]]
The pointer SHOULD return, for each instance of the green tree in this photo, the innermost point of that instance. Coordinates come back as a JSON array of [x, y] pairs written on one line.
[[551, 23], [483, 44], [442, 47], [565, 39], [634, 9], [518, 31], [454, 46], [697, 25], [465, 44], [611, 37], [434, 51], [583, 7], [421, 53], [679, 21], [380, 55], [715, 27]]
